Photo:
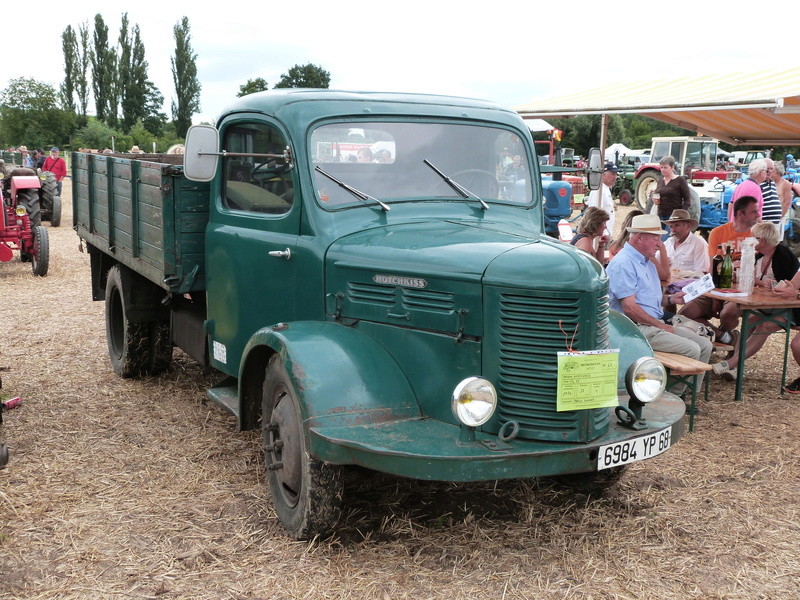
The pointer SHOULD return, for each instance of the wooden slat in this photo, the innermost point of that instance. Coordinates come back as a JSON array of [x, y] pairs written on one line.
[[681, 365]]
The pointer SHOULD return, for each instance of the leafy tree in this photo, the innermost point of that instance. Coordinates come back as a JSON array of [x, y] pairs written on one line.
[[69, 43], [154, 118], [583, 132], [95, 134], [30, 114], [305, 76], [252, 86], [104, 65], [184, 75]]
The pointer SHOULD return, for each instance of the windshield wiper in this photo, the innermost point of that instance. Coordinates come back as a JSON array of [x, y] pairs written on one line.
[[357, 193], [462, 191]]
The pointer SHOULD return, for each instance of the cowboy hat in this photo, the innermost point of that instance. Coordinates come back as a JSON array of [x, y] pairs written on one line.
[[681, 215], [646, 224]]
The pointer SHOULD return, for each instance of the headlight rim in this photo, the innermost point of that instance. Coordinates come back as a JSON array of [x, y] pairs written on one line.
[[634, 369], [455, 401]]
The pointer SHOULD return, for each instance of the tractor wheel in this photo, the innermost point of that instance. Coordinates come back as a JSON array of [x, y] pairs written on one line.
[[645, 184], [40, 258], [29, 198], [55, 216], [3, 456], [306, 493], [625, 197], [591, 483], [47, 194]]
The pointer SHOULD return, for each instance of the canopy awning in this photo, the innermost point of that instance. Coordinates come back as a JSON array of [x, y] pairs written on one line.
[[758, 109]]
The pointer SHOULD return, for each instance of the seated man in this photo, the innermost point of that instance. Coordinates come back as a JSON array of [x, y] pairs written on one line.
[[635, 290], [687, 252], [745, 215]]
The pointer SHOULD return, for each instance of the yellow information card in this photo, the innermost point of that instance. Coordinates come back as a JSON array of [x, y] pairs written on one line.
[[587, 379]]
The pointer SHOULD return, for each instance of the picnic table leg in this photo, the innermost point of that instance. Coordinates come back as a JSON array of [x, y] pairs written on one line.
[[742, 345], [787, 331]]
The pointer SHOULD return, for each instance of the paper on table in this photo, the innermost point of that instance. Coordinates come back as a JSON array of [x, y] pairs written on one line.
[[698, 288]]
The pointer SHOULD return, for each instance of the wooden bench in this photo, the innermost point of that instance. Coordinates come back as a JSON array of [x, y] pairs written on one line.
[[682, 369]]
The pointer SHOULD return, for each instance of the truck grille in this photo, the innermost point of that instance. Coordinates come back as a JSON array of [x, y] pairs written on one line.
[[528, 336]]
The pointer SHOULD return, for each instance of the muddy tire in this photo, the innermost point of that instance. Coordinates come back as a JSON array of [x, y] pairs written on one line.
[[47, 195], [3, 456], [626, 197], [135, 348], [40, 258], [29, 198], [591, 483], [646, 183], [306, 493]]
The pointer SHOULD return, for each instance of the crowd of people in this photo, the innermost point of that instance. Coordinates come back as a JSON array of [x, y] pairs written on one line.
[[644, 257]]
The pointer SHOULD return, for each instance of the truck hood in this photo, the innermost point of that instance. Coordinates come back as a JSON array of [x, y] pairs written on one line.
[[425, 274]]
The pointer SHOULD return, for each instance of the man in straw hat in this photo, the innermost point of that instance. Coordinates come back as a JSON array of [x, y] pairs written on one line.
[[635, 290], [686, 252]]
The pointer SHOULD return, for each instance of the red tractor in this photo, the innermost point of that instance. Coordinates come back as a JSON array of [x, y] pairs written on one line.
[[21, 219]]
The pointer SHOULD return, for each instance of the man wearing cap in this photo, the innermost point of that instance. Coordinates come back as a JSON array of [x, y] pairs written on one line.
[[635, 290], [602, 198], [687, 252], [56, 165]]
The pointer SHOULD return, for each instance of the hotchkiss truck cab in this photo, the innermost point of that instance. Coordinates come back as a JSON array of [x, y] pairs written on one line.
[[370, 293]]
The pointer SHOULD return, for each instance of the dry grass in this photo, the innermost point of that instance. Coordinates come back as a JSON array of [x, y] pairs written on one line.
[[140, 489]]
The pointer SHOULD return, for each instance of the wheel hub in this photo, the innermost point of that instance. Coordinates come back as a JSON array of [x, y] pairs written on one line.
[[285, 446]]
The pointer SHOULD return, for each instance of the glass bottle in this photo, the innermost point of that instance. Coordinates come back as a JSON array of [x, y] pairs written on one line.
[[726, 271]]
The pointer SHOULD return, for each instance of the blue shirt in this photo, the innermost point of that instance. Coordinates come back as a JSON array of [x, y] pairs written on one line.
[[631, 273]]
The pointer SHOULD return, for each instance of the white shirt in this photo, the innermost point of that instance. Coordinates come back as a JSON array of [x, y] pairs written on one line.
[[691, 255], [606, 203]]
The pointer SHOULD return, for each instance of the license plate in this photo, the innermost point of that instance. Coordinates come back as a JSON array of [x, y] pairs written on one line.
[[622, 453]]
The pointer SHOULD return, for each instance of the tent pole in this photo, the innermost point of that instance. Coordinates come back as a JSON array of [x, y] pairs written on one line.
[[603, 136]]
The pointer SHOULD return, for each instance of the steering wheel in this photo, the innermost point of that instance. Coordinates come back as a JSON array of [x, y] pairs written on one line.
[[478, 181]]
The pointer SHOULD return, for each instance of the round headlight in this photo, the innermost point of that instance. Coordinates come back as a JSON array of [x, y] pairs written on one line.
[[474, 401], [646, 379], [21, 210]]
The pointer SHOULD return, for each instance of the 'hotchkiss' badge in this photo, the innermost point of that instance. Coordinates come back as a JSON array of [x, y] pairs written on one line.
[[412, 282]]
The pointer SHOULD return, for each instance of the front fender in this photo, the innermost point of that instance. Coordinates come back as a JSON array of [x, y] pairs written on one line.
[[625, 335], [341, 376], [25, 182]]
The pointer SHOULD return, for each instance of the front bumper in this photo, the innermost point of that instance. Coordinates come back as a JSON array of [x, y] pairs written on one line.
[[428, 449]]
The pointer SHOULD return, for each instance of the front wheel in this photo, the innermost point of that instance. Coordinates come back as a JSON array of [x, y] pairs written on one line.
[[55, 216], [306, 493], [40, 258]]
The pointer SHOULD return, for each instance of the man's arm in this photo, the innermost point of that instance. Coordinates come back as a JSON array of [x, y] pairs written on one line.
[[639, 316]]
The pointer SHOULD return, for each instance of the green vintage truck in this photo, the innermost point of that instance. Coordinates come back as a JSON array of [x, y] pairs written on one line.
[[371, 292]]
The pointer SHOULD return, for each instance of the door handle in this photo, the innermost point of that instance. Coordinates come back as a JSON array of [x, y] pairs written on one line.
[[287, 254]]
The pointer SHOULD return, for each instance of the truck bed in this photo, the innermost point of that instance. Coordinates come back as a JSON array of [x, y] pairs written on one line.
[[145, 214]]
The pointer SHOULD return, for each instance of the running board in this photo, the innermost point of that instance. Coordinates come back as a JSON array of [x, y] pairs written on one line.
[[226, 395]]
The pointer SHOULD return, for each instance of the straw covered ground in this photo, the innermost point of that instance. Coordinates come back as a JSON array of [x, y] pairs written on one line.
[[141, 489]]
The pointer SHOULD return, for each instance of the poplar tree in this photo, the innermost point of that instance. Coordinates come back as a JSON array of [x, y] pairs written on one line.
[[184, 75], [69, 44]]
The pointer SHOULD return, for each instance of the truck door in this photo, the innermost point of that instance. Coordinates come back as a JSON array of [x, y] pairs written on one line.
[[250, 241]]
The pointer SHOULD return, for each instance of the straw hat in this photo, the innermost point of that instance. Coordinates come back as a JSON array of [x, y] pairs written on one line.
[[135, 150], [646, 224], [22, 148], [681, 215]]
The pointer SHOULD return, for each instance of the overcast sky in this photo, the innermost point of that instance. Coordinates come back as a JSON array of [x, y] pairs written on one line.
[[508, 52]]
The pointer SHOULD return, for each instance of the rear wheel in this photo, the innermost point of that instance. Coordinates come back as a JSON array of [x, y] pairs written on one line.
[[306, 493], [29, 198], [135, 348], [645, 185], [40, 258], [625, 197]]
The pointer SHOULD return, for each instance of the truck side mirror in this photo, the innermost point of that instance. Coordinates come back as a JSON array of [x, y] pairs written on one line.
[[201, 156], [595, 173]]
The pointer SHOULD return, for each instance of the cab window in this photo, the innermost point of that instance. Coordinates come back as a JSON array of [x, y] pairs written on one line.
[[256, 177]]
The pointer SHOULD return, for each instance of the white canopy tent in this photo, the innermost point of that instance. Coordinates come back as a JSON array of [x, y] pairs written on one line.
[[755, 109]]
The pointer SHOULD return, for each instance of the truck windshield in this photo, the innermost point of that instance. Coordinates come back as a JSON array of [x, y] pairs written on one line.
[[387, 160]]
